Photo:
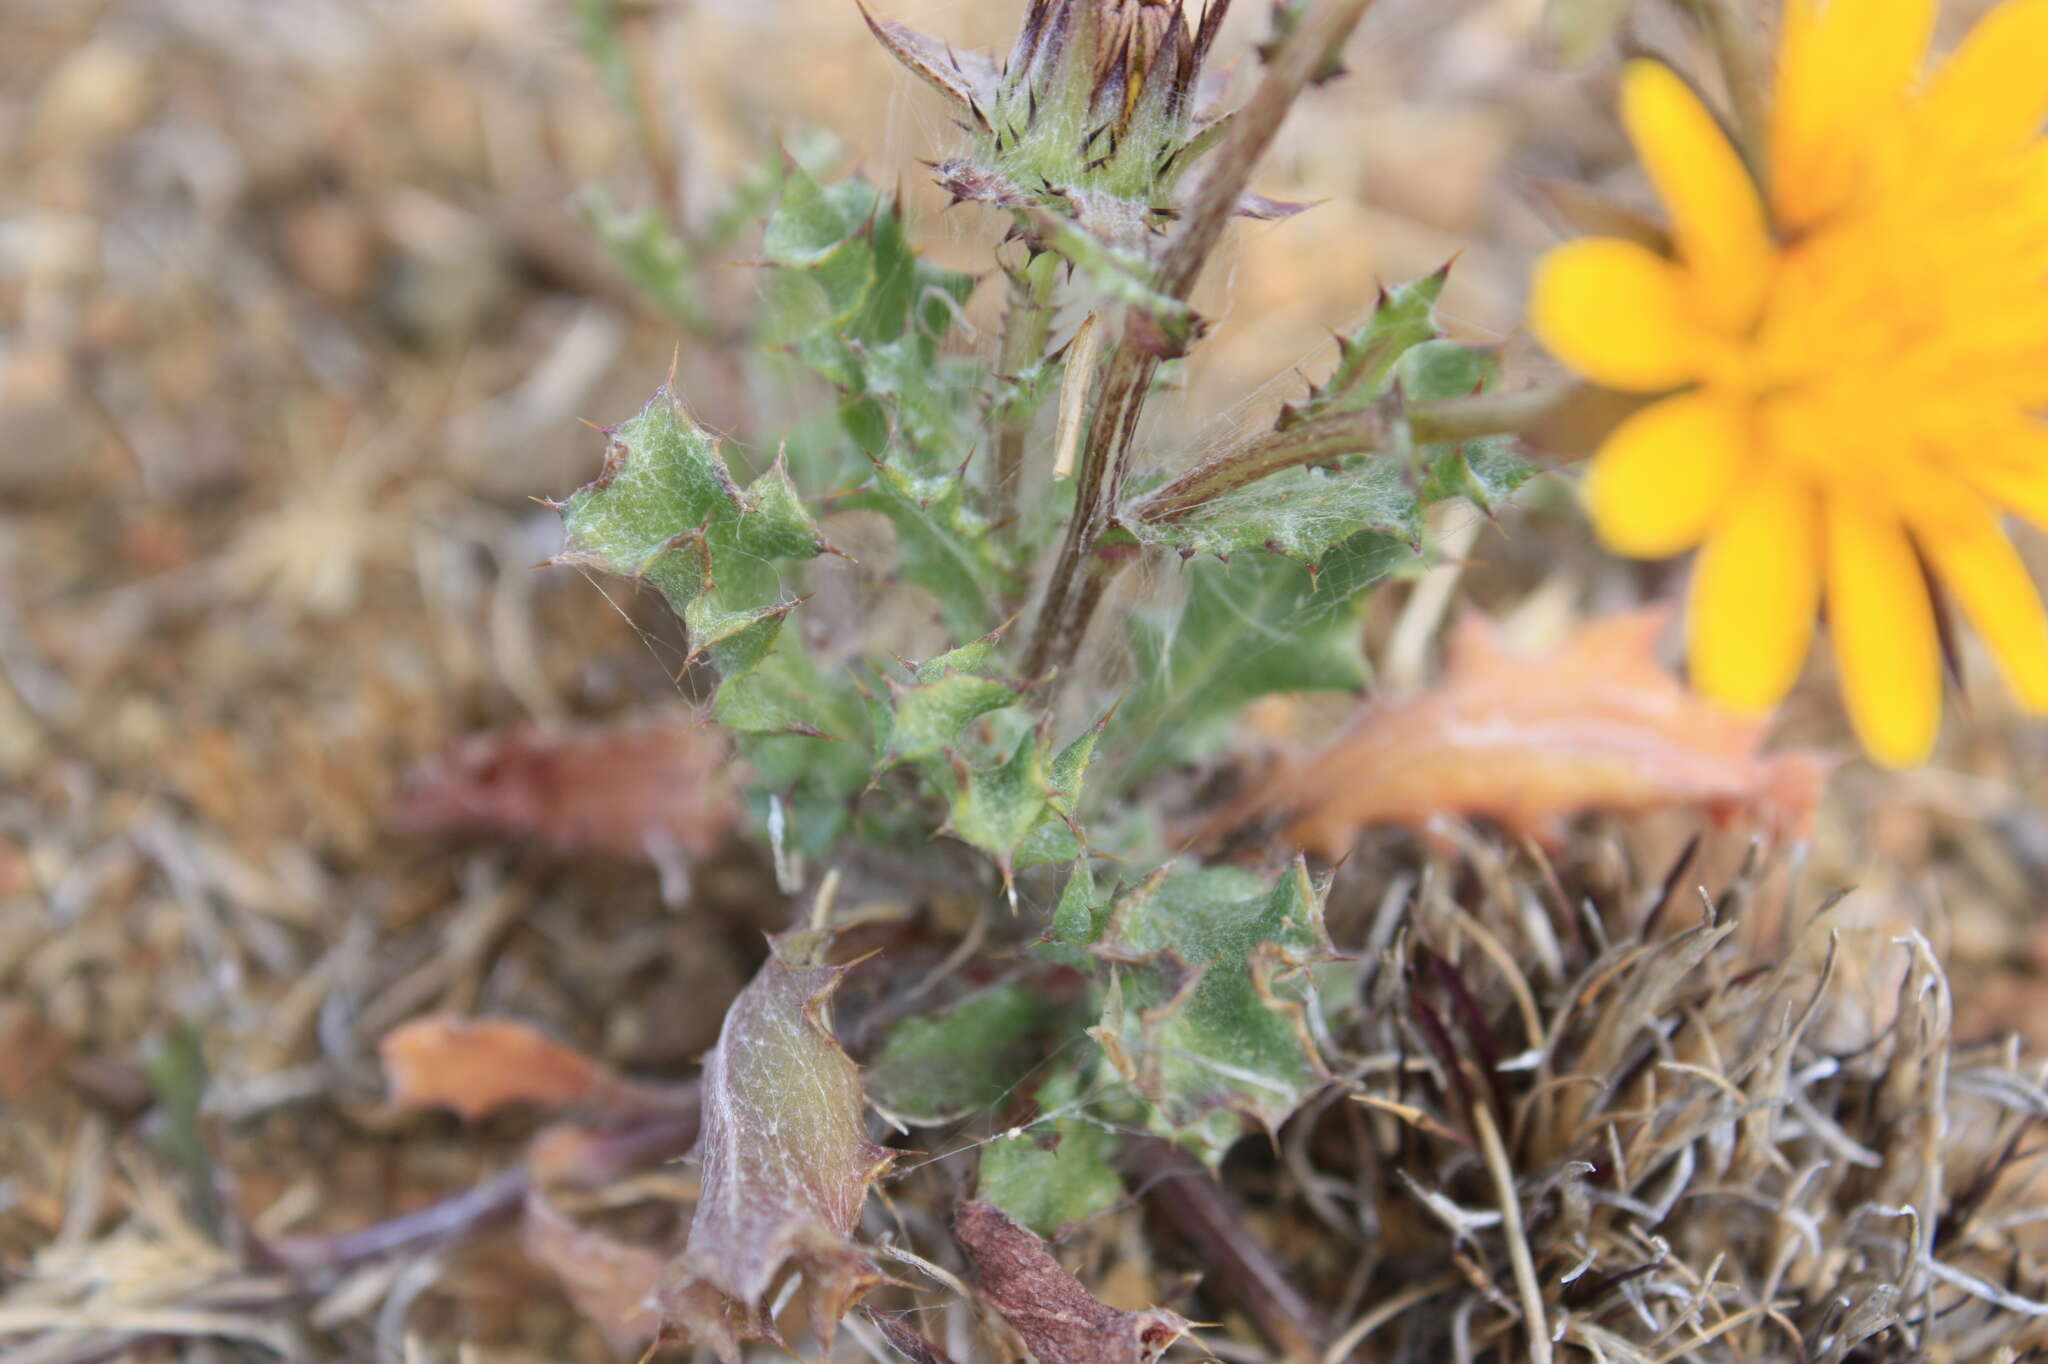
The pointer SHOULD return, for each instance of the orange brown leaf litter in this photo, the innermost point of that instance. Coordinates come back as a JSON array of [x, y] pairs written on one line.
[[1851, 359], [1598, 724]]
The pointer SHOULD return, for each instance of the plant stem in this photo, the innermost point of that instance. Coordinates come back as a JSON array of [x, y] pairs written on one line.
[[1188, 1197], [1027, 327], [1064, 616], [1342, 433], [1057, 636]]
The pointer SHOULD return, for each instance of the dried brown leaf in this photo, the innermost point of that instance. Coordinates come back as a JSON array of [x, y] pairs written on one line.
[[1597, 725], [652, 790], [786, 1162], [31, 1051], [967, 78], [1059, 1321], [610, 1282], [904, 1339], [478, 1066]]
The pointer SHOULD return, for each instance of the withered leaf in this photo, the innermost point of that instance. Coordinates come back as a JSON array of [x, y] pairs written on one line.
[[904, 1339], [650, 789], [610, 1282], [478, 1066], [1598, 724], [1059, 1321], [786, 1162]]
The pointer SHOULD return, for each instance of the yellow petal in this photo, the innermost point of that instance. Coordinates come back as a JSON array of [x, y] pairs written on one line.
[[1980, 567], [1754, 595], [1612, 310], [1886, 651], [1844, 72], [1717, 220], [2008, 463], [1665, 472], [1993, 93]]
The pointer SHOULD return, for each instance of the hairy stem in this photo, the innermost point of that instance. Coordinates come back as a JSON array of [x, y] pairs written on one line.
[[1061, 619], [1027, 328], [1342, 433], [1064, 616]]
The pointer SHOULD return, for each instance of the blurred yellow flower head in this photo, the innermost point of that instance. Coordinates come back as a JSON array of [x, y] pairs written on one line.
[[1853, 358]]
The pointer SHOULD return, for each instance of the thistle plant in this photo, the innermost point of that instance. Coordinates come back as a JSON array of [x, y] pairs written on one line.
[[1141, 1000]]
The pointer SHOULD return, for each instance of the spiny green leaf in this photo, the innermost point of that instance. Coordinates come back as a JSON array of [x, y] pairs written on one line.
[[937, 1067], [1256, 625], [1083, 911], [813, 221], [1403, 318], [860, 306], [927, 717], [1019, 810], [1206, 1015], [1487, 470], [666, 509], [1299, 514], [975, 657], [946, 545], [1056, 1172], [995, 808]]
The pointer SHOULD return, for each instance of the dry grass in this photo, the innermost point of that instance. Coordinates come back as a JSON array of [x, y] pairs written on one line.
[[299, 315]]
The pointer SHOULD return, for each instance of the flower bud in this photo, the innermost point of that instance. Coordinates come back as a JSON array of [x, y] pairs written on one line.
[[1092, 117]]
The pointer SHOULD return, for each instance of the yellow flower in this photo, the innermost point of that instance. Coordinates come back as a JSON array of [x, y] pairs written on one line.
[[1855, 359]]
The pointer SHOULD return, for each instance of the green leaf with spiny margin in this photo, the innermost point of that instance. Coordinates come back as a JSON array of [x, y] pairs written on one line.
[[859, 305], [1206, 1015], [937, 1067], [926, 716], [824, 258], [1487, 470], [1394, 360], [1403, 318], [946, 546], [666, 509], [1059, 1170], [1083, 910], [1255, 625], [976, 656], [1299, 514], [1019, 810]]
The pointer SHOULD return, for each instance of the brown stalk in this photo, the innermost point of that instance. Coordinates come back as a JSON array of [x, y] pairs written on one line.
[[1341, 433], [1063, 618], [1188, 1198]]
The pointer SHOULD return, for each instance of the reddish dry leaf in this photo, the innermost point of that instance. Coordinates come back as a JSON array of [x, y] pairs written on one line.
[[652, 790], [477, 1066], [31, 1051], [1598, 724], [904, 1339], [610, 1282], [576, 1155], [1059, 1321], [786, 1162]]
